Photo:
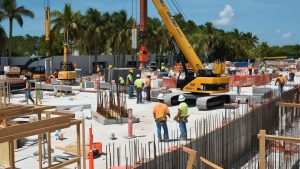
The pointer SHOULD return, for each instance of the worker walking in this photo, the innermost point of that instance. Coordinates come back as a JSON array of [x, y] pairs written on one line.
[[130, 83], [148, 87], [281, 81], [28, 91], [139, 84], [160, 113], [182, 116]]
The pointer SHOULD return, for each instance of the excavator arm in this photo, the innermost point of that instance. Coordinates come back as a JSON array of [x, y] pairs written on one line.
[[178, 36]]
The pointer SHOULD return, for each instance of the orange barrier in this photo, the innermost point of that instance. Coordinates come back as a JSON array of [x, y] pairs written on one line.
[[254, 80], [168, 82]]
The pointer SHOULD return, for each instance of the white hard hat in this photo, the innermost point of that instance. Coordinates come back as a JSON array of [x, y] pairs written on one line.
[[160, 96], [148, 74], [138, 75], [181, 98]]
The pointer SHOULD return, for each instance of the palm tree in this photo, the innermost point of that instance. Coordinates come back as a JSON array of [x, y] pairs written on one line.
[[120, 34], [11, 12], [68, 21], [212, 40], [96, 29]]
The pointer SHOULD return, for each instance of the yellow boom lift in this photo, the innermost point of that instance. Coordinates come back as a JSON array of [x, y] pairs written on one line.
[[199, 82]]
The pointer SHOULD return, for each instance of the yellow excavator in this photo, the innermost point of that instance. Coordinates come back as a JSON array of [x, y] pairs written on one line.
[[67, 71], [200, 83]]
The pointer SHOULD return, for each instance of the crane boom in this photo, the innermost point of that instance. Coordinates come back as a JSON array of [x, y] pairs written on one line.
[[178, 35]]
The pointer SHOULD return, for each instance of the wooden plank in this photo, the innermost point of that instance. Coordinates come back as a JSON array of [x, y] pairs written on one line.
[[59, 166], [4, 153], [288, 139], [210, 164], [21, 111], [285, 104], [78, 144], [262, 146], [192, 156]]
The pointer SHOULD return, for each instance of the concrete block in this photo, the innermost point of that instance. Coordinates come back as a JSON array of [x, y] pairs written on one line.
[[87, 84], [102, 120]]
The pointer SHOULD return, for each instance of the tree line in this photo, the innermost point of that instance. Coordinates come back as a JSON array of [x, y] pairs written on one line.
[[95, 32]]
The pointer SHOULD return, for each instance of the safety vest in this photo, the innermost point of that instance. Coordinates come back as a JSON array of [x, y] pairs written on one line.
[[98, 69], [184, 109], [161, 110], [281, 80], [129, 79], [138, 83], [121, 81], [163, 68], [148, 82]]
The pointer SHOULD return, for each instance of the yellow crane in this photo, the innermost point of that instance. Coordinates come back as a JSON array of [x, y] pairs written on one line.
[[198, 81]]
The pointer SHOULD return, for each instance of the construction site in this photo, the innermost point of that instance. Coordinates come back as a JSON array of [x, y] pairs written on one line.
[[135, 110]]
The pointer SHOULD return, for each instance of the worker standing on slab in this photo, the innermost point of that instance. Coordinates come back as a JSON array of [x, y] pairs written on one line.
[[130, 83], [160, 113], [163, 67], [98, 70], [148, 87], [281, 81], [182, 116], [28, 90], [250, 68], [139, 84]]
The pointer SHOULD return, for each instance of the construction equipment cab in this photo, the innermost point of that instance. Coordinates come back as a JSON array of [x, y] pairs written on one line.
[[67, 71], [198, 81]]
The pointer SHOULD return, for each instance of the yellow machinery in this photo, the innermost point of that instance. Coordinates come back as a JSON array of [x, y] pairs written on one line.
[[67, 71], [198, 80]]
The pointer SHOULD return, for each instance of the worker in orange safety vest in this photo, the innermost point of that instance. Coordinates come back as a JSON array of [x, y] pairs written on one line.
[[281, 81]]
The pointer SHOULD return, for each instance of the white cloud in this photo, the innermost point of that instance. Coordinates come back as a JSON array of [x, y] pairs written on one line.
[[287, 35], [278, 31], [226, 16]]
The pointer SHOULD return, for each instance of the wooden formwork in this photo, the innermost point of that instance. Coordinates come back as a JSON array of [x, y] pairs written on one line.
[[46, 122]]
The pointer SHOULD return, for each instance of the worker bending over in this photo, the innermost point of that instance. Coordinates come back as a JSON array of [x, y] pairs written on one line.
[[139, 84], [130, 83], [182, 116], [160, 113], [281, 81], [28, 90], [148, 87]]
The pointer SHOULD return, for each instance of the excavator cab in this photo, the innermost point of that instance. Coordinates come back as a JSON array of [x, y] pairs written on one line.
[[67, 72]]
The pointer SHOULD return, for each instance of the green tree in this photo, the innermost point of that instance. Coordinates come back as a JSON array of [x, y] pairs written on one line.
[[11, 12], [2, 39], [68, 21]]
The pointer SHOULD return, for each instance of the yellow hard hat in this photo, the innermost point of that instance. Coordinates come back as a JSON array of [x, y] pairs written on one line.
[[162, 63], [131, 70], [110, 67]]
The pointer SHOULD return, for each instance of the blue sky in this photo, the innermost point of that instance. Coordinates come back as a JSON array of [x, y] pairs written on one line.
[[273, 21]]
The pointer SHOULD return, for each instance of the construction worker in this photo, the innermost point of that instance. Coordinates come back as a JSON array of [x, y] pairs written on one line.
[[148, 87], [121, 81], [250, 68], [130, 83], [98, 70], [281, 81], [182, 116], [163, 67], [28, 90], [139, 84], [160, 113]]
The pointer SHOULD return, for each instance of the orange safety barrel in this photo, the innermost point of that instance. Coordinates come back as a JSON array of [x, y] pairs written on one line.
[[143, 56]]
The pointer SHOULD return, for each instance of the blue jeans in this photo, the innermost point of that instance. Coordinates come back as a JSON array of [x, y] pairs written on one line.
[[165, 127], [280, 88], [130, 90], [148, 89], [139, 96], [28, 96], [182, 128]]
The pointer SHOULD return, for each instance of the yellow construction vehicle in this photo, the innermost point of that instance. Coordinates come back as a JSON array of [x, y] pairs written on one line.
[[198, 81], [67, 71]]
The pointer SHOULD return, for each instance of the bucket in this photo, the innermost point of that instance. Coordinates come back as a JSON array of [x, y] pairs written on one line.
[[98, 146]]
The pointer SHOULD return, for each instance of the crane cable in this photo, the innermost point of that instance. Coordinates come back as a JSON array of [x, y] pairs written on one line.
[[170, 6], [179, 9]]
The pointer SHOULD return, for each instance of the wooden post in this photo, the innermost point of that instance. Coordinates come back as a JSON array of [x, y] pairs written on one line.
[[36, 93], [4, 94], [192, 157], [83, 143], [262, 145], [49, 143], [12, 154], [0, 95], [78, 146], [40, 145]]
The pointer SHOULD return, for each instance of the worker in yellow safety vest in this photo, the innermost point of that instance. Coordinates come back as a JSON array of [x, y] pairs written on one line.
[[130, 83], [182, 116], [148, 87], [281, 81], [121, 81], [163, 67], [98, 69], [139, 84], [160, 113]]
